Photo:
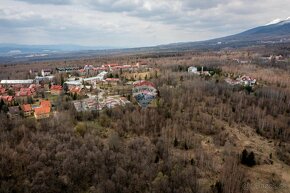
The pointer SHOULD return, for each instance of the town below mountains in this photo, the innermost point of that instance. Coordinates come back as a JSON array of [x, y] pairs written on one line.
[[201, 117]]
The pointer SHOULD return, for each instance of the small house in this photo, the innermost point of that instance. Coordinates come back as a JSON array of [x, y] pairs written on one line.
[[13, 112], [27, 110], [46, 72], [193, 69]]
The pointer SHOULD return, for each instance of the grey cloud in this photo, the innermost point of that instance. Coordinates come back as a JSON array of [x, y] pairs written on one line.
[[54, 2], [195, 18]]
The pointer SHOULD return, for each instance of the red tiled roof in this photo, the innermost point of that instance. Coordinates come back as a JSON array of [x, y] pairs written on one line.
[[7, 98], [25, 92], [111, 65], [26, 107], [121, 67], [45, 103], [42, 110], [2, 90], [100, 68], [112, 79], [56, 87], [75, 89]]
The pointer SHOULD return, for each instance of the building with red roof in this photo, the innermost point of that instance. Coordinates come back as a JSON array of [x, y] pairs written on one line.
[[75, 89], [56, 89], [114, 81], [8, 100], [110, 65], [43, 111], [2, 91], [27, 110]]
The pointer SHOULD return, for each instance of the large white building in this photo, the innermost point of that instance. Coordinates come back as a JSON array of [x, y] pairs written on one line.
[[28, 81], [99, 77]]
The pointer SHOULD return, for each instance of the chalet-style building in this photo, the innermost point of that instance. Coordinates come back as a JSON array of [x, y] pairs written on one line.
[[43, 111], [27, 110]]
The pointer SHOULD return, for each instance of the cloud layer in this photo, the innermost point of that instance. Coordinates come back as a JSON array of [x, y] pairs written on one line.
[[130, 23]]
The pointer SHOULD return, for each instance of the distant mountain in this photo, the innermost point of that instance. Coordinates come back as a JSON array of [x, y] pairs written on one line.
[[17, 49], [274, 31], [277, 31]]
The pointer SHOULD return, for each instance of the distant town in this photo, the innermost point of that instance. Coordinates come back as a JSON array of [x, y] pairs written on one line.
[[89, 88]]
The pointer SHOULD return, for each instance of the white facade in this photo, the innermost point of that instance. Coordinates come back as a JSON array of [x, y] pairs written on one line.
[[192, 69], [99, 77], [28, 81], [45, 72]]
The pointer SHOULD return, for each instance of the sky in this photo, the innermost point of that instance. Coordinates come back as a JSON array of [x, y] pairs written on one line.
[[131, 23]]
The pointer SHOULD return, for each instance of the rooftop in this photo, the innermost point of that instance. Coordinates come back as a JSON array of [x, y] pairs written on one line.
[[26, 107], [28, 81]]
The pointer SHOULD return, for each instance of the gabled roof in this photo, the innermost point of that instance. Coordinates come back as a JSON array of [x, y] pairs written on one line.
[[14, 110], [25, 92], [26, 107], [2, 90], [56, 87], [75, 89], [7, 98], [112, 79], [45, 103], [110, 65], [42, 110]]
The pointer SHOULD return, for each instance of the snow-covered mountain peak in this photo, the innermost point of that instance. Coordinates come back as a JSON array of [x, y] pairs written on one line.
[[278, 20]]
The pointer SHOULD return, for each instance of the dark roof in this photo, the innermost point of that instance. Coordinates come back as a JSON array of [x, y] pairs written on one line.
[[14, 110], [68, 68]]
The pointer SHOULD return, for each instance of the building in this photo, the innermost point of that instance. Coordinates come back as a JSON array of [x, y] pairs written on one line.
[[24, 94], [27, 110], [13, 82], [89, 104], [75, 90], [13, 112], [99, 69], [56, 89], [114, 101], [112, 81], [73, 83], [193, 69], [43, 111], [247, 80], [124, 67], [8, 100], [68, 69], [110, 65], [39, 79], [2, 90], [99, 77], [46, 72]]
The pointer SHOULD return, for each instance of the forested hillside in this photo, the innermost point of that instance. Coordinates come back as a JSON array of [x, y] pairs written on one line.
[[202, 134]]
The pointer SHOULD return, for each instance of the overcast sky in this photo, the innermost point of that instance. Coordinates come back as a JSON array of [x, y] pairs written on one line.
[[131, 23]]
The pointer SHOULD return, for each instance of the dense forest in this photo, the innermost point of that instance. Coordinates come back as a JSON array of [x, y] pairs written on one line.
[[204, 135]]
